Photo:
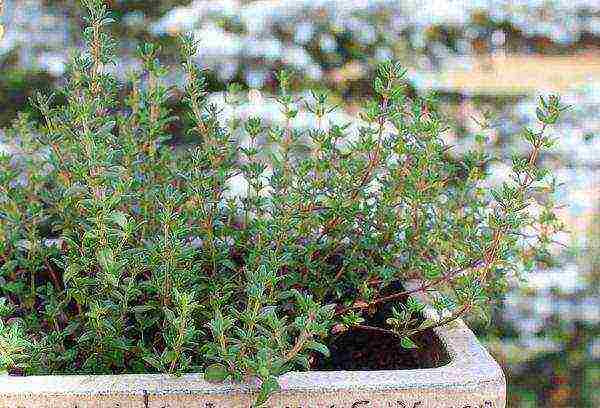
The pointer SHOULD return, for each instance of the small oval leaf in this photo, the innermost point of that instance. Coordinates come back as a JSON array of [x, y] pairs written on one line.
[[318, 347], [407, 343], [216, 373]]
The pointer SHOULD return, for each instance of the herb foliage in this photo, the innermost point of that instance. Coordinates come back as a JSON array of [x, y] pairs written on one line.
[[120, 252]]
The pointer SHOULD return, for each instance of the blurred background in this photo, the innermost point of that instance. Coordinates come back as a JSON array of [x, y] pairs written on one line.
[[482, 57]]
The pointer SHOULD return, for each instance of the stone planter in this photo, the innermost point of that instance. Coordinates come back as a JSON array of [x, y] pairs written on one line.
[[471, 379]]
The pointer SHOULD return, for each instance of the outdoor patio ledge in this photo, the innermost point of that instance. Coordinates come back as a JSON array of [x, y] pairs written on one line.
[[472, 379]]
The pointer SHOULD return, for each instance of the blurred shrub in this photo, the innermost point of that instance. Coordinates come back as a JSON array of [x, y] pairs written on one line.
[[16, 86]]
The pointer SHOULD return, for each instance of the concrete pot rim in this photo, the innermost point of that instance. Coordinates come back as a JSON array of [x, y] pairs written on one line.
[[470, 368]]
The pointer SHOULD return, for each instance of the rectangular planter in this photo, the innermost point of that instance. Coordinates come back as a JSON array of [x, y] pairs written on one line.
[[472, 379]]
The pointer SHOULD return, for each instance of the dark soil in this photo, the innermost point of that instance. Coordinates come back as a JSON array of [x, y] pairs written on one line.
[[368, 350], [363, 349]]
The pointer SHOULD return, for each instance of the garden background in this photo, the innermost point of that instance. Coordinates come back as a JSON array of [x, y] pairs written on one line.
[[482, 57]]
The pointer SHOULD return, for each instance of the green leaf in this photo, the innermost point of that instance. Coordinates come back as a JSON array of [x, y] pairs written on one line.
[[407, 343], [119, 218], [540, 115], [303, 361], [71, 328], [106, 258], [169, 314], [414, 305], [432, 272], [268, 387], [319, 347], [427, 323], [215, 373], [70, 272], [142, 308], [229, 264], [153, 361], [171, 356]]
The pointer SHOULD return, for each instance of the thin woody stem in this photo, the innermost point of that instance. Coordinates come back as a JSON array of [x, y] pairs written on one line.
[[299, 344], [456, 314], [421, 288], [491, 254]]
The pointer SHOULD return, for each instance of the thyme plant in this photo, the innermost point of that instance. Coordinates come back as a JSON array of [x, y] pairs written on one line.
[[122, 252]]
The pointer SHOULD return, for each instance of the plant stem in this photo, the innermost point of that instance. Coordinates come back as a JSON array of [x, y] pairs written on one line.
[[422, 288]]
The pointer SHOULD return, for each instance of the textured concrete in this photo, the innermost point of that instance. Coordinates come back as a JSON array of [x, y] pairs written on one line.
[[472, 379]]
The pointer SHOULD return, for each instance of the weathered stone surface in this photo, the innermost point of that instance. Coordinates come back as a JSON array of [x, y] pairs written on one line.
[[472, 379]]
